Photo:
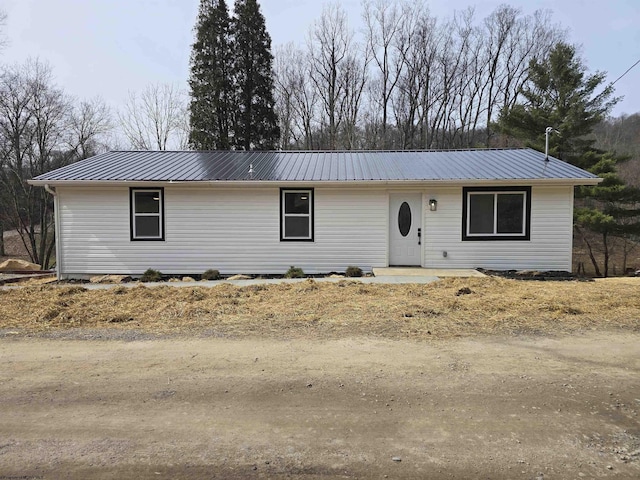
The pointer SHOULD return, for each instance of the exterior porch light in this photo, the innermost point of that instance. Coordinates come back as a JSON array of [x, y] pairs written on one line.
[[433, 204]]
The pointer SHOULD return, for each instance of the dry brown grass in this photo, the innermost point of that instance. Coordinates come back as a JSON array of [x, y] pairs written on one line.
[[313, 309]]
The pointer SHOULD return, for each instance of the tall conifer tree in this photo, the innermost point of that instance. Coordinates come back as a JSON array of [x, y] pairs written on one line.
[[211, 79], [561, 95], [256, 123]]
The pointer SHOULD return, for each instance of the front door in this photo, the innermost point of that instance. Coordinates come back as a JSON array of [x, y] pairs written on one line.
[[405, 227]]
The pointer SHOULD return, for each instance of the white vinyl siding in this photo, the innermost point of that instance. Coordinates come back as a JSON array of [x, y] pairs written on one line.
[[232, 230], [549, 247], [237, 230]]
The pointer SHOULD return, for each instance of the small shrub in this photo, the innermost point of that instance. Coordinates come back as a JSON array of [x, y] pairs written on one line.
[[294, 272], [352, 271], [151, 275], [211, 274]]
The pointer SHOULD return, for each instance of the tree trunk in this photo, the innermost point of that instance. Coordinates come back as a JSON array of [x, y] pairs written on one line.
[[591, 255], [606, 254], [49, 254]]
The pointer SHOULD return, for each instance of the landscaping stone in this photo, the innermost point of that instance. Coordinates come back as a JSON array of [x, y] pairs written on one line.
[[239, 277]]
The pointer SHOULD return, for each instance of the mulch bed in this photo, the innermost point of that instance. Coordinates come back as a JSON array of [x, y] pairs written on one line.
[[555, 275]]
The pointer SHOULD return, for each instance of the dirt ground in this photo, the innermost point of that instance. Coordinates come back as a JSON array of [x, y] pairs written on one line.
[[500, 407]]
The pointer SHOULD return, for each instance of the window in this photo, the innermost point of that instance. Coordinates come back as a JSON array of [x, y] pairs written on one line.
[[296, 215], [147, 213], [496, 213], [404, 219]]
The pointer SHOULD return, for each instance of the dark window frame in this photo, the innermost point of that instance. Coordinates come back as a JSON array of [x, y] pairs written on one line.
[[132, 191], [312, 199], [466, 237]]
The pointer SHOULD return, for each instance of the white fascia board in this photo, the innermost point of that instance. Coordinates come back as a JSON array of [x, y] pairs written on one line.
[[316, 183]]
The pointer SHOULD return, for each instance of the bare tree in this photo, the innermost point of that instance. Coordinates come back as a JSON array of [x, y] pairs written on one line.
[[383, 23], [3, 22], [354, 78], [284, 93], [417, 86], [620, 134], [287, 73], [156, 119], [390, 33], [511, 41], [498, 48], [451, 72], [89, 122], [417, 82], [533, 39], [296, 97], [39, 131], [329, 44], [306, 101], [3, 43], [32, 115]]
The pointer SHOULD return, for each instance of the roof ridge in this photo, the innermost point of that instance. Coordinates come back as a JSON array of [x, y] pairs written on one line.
[[433, 150]]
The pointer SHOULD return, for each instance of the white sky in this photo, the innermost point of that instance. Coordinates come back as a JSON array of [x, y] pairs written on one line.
[[108, 47]]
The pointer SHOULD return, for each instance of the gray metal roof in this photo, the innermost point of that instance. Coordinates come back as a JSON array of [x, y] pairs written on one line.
[[310, 166]]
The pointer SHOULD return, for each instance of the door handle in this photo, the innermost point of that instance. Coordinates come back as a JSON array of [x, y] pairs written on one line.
[[419, 236]]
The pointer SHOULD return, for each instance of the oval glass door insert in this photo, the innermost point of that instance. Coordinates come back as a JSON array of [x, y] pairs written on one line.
[[404, 219]]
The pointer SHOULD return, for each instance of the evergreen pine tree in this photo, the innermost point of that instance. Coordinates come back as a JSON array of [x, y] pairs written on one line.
[[256, 123], [210, 79], [610, 209], [560, 95]]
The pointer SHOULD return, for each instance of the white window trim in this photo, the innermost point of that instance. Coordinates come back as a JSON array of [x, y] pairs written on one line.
[[159, 215], [495, 214], [285, 215]]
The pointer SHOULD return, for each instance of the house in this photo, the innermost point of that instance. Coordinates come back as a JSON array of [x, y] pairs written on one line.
[[262, 212]]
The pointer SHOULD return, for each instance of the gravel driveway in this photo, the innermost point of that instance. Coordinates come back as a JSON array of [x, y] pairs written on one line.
[[353, 407]]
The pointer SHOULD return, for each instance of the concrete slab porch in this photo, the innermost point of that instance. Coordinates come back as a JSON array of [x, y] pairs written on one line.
[[426, 272]]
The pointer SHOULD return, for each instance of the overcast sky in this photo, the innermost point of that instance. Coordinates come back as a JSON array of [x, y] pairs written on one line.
[[108, 47]]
